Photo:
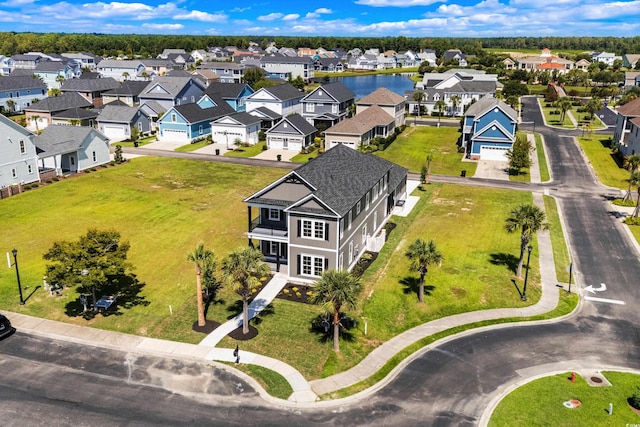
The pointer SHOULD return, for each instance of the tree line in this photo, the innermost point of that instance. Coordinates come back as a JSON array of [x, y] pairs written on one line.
[[151, 45]]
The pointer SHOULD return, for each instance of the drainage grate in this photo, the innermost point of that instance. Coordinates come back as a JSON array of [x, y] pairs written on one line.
[[596, 380]]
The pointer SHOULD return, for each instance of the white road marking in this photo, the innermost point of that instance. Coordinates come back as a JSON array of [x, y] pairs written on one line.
[[609, 301]]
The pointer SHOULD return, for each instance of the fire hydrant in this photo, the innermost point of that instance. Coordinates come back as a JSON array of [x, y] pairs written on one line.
[[573, 377]]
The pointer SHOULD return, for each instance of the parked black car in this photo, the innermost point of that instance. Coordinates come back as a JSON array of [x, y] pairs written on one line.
[[5, 326]]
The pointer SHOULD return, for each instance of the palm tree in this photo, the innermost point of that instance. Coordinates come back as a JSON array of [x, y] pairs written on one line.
[[60, 79], [422, 254], [593, 105], [440, 106], [335, 289], [125, 75], [242, 269], [631, 163], [201, 257], [35, 119], [11, 105], [565, 105], [635, 180], [419, 96], [528, 219], [455, 102]]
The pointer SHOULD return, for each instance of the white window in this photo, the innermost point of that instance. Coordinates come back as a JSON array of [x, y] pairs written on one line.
[[368, 200], [274, 215], [312, 265], [364, 234], [341, 261], [313, 229], [311, 107], [23, 149], [350, 251], [358, 206], [341, 227], [273, 248], [350, 218]]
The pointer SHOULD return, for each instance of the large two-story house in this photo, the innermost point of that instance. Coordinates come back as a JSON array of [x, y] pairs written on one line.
[[324, 214], [235, 94], [170, 91], [328, 104], [19, 164], [286, 67], [489, 129], [627, 132], [19, 92], [392, 103], [90, 89], [282, 99]]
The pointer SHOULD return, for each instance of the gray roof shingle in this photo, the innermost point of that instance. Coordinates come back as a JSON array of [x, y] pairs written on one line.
[[63, 102], [21, 82], [61, 139], [90, 85]]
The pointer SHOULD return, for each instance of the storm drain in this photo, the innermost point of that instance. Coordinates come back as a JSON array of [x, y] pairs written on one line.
[[595, 379]]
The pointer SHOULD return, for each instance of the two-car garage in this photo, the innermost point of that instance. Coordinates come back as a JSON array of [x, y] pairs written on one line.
[[491, 152]]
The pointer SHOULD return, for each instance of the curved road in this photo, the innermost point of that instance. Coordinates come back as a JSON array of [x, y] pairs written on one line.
[[452, 384]]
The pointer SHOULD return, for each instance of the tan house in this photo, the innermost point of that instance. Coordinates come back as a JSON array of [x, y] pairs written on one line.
[[392, 103], [359, 130]]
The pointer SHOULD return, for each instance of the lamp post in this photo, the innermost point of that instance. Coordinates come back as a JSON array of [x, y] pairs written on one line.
[[85, 273], [526, 275], [15, 262]]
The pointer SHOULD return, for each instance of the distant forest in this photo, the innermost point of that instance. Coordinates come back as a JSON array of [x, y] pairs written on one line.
[[151, 45]]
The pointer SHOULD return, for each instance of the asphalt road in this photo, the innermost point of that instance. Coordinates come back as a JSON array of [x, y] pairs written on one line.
[[43, 382]]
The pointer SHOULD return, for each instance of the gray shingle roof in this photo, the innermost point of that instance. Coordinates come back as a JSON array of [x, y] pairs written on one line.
[[63, 102], [117, 114], [90, 85], [21, 82], [284, 91], [194, 114], [487, 103], [60, 139], [337, 90], [173, 85], [362, 122], [382, 96], [129, 87], [244, 118], [50, 66], [76, 114]]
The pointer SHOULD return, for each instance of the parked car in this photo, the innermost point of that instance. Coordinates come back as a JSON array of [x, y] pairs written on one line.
[[5, 326]]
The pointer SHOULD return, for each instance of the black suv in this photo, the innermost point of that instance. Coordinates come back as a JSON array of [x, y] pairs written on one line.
[[5, 326]]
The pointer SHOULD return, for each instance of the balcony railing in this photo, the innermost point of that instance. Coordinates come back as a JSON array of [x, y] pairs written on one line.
[[267, 229]]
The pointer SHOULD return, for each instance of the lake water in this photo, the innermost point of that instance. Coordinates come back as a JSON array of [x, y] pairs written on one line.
[[364, 85]]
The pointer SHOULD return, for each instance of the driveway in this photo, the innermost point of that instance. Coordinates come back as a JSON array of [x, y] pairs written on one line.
[[492, 169]]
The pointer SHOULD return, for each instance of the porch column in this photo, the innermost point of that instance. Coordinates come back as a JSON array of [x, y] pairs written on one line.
[[278, 257], [249, 225]]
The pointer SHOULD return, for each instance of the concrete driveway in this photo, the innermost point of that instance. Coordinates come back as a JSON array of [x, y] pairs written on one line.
[[492, 169]]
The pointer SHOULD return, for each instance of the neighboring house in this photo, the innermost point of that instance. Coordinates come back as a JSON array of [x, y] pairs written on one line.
[[235, 94], [128, 93], [328, 104], [155, 111], [6, 65], [489, 129], [283, 99], [227, 72], [69, 149], [468, 85], [292, 132], [237, 126], [286, 67], [267, 117], [90, 89], [359, 130], [364, 63], [85, 59], [19, 164], [190, 122], [392, 103], [582, 64], [19, 92], [455, 55], [26, 61], [157, 67], [605, 57], [117, 121], [429, 56], [630, 59], [40, 114], [54, 73], [627, 132], [329, 65], [318, 217], [170, 91], [181, 60], [207, 76], [631, 78], [122, 70], [75, 117]]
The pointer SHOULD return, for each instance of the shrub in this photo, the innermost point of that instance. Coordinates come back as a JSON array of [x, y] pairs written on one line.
[[632, 220], [635, 399], [48, 181], [621, 202], [264, 147], [56, 179]]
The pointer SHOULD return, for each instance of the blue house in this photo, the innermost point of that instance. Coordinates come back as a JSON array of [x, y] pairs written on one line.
[[235, 94], [190, 122], [489, 129], [19, 92]]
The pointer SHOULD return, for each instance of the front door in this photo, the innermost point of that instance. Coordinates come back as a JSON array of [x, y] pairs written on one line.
[[285, 143]]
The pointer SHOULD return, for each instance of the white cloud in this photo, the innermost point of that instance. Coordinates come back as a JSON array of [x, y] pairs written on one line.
[[291, 17], [323, 11], [167, 27], [397, 3], [270, 17], [611, 10], [196, 15], [240, 9]]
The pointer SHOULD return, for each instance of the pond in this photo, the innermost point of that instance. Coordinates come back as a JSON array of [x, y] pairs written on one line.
[[364, 85]]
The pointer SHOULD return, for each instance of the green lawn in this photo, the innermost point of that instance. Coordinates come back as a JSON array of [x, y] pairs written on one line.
[[560, 251], [141, 142], [604, 162], [542, 160], [540, 402], [250, 151], [163, 207], [554, 119], [411, 148], [304, 157], [193, 146]]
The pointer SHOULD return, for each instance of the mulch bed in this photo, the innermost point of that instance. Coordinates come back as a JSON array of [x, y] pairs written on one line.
[[236, 334], [209, 326]]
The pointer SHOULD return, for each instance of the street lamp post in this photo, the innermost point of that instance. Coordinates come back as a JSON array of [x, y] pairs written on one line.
[[526, 275], [15, 262], [85, 273]]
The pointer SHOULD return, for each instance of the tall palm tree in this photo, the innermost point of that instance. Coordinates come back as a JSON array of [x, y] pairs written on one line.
[[593, 105], [564, 104], [242, 269], [528, 219], [635, 180], [419, 96], [455, 102], [201, 256], [631, 163], [422, 254], [60, 79], [440, 106], [11, 104], [335, 289]]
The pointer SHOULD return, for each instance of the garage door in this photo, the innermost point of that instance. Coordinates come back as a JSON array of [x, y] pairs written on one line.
[[275, 142], [493, 153], [174, 135], [115, 132]]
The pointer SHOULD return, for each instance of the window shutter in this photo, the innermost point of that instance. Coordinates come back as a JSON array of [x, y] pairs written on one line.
[[299, 228], [298, 264], [326, 231], [326, 263]]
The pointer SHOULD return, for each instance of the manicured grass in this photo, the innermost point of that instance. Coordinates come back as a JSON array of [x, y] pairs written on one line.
[[542, 159], [272, 382], [559, 245], [193, 146], [141, 142], [304, 157], [604, 162], [250, 151], [163, 207], [410, 149], [566, 304], [554, 119], [540, 402]]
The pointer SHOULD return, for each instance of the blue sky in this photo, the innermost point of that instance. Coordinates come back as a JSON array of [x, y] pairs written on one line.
[[357, 18]]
